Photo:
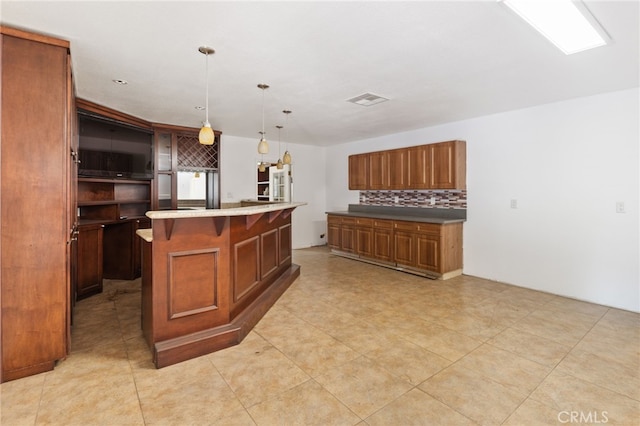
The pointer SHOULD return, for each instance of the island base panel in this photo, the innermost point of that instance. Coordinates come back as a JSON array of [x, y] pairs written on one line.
[[203, 342]]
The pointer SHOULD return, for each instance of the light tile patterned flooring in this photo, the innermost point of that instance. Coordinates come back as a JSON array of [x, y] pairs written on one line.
[[354, 344]]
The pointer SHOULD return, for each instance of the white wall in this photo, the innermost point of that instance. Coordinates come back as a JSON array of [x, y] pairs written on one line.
[[566, 164], [238, 160]]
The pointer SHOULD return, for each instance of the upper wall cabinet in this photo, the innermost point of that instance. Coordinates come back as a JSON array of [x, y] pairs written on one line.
[[418, 163], [359, 171], [448, 165], [433, 166], [397, 162], [378, 170]]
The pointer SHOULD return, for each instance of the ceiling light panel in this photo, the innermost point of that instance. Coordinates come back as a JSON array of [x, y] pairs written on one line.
[[567, 24]]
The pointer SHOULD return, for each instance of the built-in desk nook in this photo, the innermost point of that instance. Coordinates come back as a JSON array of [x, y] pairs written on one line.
[[209, 275]]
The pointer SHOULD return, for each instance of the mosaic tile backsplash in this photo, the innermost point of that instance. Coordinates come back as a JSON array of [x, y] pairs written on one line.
[[435, 199]]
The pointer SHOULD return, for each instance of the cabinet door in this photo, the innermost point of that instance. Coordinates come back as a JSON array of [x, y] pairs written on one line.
[[165, 158], [428, 252], [347, 238], [90, 239], [359, 171], [447, 165], [333, 232], [379, 170], [403, 247], [397, 168], [118, 259], [33, 194], [383, 244], [364, 241], [418, 173]]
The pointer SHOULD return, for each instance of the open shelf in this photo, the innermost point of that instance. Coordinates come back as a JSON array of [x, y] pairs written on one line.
[[113, 199]]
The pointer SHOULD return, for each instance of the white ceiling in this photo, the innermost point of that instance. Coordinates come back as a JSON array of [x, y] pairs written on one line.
[[437, 62]]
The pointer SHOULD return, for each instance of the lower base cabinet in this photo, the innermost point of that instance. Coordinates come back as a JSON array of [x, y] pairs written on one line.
[[108, 250], [429, 249], [89, 264]]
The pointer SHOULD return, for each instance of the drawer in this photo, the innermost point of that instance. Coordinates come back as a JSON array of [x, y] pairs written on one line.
[[334, 220], [381, 223], [405, 226], [429, 228], [348, 220], [363, 221]]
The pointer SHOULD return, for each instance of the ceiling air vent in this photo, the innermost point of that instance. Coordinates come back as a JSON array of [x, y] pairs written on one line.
[[367, 99]]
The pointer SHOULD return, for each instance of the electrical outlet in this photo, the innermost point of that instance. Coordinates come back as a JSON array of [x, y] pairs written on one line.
[[396, 199], [514, 204], [432, 201], [620, 207]]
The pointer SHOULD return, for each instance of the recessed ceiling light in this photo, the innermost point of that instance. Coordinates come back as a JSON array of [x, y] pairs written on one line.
[[119, 81], [567, 24], [367, 99]]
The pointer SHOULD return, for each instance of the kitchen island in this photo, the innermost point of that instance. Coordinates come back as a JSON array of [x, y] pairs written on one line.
[[208, 276]]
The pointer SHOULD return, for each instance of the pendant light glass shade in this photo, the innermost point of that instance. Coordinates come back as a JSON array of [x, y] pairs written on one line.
[[206, 135], [286, 158], [263, 146]]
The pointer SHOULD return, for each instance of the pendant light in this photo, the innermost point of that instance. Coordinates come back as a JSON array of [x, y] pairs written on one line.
[[279, 163], [262, 166], [263, 146], [206, 132], [286, 158]]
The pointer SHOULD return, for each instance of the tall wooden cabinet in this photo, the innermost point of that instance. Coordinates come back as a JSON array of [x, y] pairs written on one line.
[[37, 209]]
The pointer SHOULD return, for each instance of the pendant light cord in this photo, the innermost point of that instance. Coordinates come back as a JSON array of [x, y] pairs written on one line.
[[263, 133], [206, 112]]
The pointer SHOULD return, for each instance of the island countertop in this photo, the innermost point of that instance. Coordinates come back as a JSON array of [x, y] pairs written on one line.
[[234, 211]]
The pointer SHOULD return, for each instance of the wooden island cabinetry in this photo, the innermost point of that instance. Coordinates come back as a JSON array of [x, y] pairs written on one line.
[[210, 275], [433, 166]]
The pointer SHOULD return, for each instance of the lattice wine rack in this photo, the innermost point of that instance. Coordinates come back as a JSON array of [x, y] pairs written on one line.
[[193, 155]]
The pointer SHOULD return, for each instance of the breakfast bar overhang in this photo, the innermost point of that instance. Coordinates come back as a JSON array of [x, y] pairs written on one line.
[[208, 276]]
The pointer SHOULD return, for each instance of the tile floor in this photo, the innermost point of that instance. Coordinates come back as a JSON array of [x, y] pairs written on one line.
[[353, 344]]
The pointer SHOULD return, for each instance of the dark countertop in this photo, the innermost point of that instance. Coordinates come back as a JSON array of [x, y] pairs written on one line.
[[413, 214]]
